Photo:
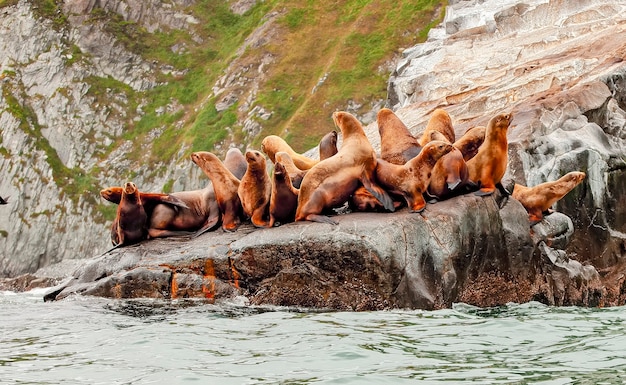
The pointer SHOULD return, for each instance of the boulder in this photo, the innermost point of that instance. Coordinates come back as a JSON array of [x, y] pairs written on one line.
[[465, 249]]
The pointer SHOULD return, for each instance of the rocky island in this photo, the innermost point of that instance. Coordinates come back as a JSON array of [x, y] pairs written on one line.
[[558, 67]]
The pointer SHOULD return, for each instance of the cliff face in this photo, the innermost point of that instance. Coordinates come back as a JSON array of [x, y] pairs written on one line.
[[55, 126], [558, 66], [96, 93]]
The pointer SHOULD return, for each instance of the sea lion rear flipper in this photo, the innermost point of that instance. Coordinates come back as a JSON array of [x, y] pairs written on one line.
[[378, 192], [321, 219], [209, 225]]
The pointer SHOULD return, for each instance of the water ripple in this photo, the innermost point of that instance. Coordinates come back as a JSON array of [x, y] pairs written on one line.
[[97, 341]]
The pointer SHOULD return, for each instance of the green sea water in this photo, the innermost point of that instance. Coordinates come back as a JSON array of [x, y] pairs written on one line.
[[84, 340]]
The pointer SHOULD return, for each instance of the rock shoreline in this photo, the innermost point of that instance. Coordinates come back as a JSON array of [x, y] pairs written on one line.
[[466, 249]]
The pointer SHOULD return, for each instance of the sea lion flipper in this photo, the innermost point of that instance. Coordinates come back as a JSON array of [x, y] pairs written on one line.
[[209, 225], [321, 219], [174, 201], [378, 192]]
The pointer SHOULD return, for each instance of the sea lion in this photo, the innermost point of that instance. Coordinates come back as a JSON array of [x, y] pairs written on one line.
[[129, 225], [471, 141], [328, 145], [284, 197], [411, 179], [201, 215], [397, 144], [295, 174], [332, 181], [487, 168], [149, 200], [272, 144], [225, 185], [236, 162], [537, 200], [4, 201], [439, 121], [255, 189], [448, 175]]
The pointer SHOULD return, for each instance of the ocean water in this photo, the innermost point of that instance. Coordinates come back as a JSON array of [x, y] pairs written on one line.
[[86, 340]]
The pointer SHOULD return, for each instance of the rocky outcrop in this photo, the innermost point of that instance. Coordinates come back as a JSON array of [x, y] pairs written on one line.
[[465, 249], [558, 67]]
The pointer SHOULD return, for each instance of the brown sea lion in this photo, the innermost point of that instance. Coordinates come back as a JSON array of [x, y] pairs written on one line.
[[149, 200], [332, 181], [489, 165], [537, 200], [202, 214], [439, 121], [328, 145], [448, 176], [225, 185], [129, 225], [236, 162], [255, 189], [471, 141], [4, 201], [284, 198], [294, 172], [397, 144], [411, 179], [272, 144]]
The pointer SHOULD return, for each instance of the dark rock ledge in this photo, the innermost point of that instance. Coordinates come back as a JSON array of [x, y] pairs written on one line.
[[466, 249]]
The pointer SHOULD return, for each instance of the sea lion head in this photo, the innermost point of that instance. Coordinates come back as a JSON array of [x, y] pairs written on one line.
[[279, 171], [576, 177], [436, 149], [203, 157], [347, 123], [112, 194], [255, 159]]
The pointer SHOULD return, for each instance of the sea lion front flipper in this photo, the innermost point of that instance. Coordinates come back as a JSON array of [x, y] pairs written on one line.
[[378, 192], [174, 201]]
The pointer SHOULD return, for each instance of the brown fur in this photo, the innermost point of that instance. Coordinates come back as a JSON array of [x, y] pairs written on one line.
[[328, 145], [294, 172], [284, 199], [203, 213], [411, 179], [489, 165], [471, 141], [397, 144], [332, 181], [236, 162], [130, 222], [439, 121], [273, 144], [255, 189], [225, 185], [538, 200], [448, 176], [148, 200]]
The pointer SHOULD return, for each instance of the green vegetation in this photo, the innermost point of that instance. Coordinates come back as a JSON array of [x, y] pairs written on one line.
[[74, 182], [347, 43], [50, 9]]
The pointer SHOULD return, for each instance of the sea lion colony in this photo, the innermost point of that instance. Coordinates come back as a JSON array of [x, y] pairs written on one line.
[[408, 171]]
